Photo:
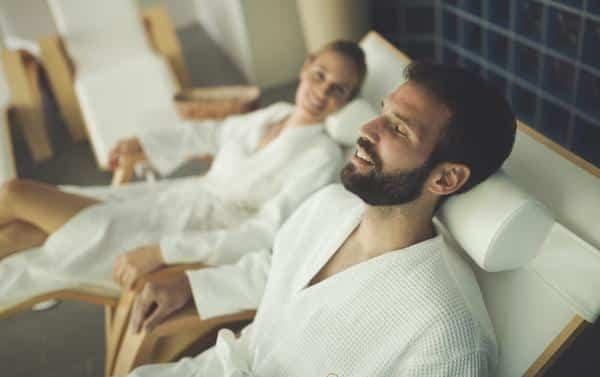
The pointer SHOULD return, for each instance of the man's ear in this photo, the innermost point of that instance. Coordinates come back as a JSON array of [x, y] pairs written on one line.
[[447, 178]]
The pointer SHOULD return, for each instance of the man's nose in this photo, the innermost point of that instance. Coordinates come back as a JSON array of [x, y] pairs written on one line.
[[371, 130]]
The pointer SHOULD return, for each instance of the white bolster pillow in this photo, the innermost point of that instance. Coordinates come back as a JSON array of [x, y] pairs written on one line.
[[343, 125], [497, 223]]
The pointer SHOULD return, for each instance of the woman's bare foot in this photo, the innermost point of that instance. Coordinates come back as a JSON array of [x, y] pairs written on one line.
[[17, 236]]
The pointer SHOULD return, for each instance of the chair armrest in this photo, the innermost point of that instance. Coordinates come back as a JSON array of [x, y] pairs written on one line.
[[188, 319], [166, 273]]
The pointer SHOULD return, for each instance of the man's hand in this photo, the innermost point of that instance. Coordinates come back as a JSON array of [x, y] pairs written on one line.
[[126, 153], [158, 300], [133, 264]]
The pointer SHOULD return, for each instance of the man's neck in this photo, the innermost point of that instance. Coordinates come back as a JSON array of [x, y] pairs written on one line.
[[383, 229]]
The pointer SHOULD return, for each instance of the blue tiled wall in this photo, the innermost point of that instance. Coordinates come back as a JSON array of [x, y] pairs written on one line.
[[543, 54]]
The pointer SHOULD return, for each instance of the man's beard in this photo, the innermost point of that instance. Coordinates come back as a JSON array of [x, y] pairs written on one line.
[[378, 189]]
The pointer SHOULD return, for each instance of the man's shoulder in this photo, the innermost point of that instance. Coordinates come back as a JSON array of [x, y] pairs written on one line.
[[323, 208]]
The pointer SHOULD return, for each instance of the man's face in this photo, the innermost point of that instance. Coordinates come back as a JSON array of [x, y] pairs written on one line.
[[390, 165], [326, 84]]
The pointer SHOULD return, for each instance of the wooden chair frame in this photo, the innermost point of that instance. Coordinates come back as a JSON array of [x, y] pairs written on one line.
[[61, 70], [7, 115], [23, 75]]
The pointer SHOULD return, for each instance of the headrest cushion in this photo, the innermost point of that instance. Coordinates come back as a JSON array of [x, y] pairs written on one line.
[[343, 125], [497, 223]]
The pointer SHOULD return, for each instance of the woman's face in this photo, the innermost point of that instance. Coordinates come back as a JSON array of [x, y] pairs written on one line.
[[327, 82]]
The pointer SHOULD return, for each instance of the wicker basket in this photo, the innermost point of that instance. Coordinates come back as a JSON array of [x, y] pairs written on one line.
[[216, 102]]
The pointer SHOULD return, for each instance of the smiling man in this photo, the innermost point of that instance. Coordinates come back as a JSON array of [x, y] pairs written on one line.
[[357, 284]]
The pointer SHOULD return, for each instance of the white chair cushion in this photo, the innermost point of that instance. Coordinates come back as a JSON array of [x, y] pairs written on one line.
[[385, 69], [114, 101], [100, 33], [572, 267], [498, 224], [343, 126]]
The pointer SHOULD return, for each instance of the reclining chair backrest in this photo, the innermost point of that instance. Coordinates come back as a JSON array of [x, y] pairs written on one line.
[[539, 299], [122, 86], [7, 163], [99, 34]]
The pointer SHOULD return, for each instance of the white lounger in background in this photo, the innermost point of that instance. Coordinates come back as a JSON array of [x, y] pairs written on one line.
[[120, 82]]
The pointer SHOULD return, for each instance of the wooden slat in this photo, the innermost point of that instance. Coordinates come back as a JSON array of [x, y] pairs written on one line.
[[61, 74], [109, 314], [6, 115], [567, 154], [23, 78], [558, 345], [117, 323], [64, 294], [163, 38]]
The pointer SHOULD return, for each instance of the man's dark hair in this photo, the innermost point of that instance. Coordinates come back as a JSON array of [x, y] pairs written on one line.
[[350, 50], [481, 131]]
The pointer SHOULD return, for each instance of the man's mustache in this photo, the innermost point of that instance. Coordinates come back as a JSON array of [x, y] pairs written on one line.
[[369, 149]]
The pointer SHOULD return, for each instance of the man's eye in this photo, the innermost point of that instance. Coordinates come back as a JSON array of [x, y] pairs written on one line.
[[318, 75], [399, 129]]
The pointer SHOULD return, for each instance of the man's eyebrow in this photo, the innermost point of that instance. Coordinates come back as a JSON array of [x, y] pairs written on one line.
[[412, 123]]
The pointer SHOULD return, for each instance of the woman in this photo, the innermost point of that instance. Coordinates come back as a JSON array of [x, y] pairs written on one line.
[[266, 163]]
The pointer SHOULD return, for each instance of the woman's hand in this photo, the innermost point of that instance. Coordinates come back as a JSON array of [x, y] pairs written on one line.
[[158, 300], [135, 263], [126, 153]]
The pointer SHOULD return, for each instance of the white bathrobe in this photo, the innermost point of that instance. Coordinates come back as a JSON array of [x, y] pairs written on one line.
[[235, 208], [399, 314]]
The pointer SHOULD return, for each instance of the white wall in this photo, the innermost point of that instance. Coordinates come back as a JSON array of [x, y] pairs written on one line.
[[225, 23], [263, 37], [28, 19], [325, 21], [276, 40]]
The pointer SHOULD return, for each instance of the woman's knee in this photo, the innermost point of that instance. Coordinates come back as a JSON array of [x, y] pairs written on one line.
[[13, 189]]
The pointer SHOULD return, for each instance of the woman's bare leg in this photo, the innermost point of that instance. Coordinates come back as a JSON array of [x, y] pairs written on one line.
[[39, 204], [19, 235]]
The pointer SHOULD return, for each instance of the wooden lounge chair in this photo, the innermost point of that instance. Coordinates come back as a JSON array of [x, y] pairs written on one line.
[[22, 74], [111, 68], [536, 309]]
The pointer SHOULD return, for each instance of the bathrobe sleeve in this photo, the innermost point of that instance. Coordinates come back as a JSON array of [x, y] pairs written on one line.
[[169, 147], [440, 353], [231, 288], [229, 357], [223, 246]]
